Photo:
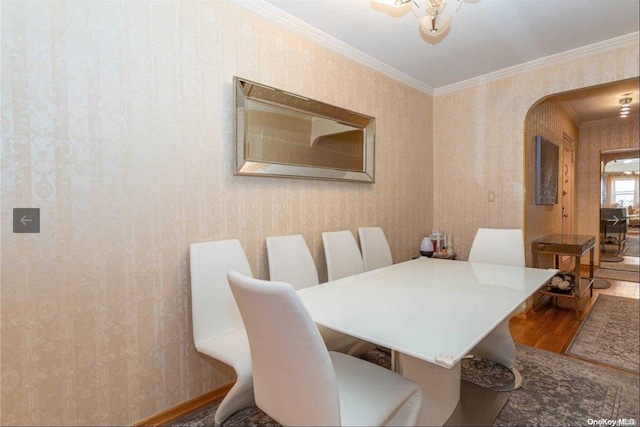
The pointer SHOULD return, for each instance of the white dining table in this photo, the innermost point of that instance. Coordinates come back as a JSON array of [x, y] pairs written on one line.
[[429, 312]]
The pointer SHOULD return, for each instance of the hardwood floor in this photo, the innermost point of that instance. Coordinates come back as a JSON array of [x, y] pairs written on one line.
[[552, 328]]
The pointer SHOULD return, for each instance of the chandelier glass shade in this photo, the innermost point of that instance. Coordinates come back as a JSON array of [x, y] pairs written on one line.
[[625, 106], [433, 21]]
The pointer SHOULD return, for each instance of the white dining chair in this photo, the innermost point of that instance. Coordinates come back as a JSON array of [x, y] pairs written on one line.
[[498, 246], [374, 247], [218, 331], [290, 261], [504, 247], [343, 260], [306, 384], [342, 254]]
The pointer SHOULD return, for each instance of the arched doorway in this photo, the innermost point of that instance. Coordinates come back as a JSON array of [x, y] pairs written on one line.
[[581, 123]]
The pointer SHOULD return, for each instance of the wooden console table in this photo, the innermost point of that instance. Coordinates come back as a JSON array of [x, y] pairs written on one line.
[[567, 245]]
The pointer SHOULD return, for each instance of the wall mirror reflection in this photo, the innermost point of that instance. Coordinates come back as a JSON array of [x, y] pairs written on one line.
[[282, 134]]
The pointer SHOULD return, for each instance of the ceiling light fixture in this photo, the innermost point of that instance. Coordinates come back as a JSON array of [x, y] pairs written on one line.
[[435, 23], [625, 106]]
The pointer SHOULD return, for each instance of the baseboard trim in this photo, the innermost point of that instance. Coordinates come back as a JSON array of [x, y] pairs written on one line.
[[185, 408]]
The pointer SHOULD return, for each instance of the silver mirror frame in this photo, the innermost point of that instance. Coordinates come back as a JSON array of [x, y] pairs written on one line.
[[244, 166]]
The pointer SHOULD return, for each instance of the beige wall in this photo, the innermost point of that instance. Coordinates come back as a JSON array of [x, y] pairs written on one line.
[[549, 120], [117, 123], [598, 136], [478, 138]]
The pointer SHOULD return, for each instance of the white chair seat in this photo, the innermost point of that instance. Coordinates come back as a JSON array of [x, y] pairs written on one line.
[[218, 331], [369, 395], [298, 382], [232, 347], [229, 347]]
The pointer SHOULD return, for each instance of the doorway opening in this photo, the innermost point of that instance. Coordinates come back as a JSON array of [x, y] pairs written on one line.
[[619, 203], [586, 121]]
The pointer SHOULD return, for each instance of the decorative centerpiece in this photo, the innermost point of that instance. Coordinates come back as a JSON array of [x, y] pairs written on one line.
[[562, 283], [437, 239]]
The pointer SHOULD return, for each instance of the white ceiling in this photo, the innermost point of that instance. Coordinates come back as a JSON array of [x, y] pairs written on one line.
[[485, 36], [624, 165], [601, 102]]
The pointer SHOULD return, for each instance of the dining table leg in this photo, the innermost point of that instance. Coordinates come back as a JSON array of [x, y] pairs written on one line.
[[440, 387]]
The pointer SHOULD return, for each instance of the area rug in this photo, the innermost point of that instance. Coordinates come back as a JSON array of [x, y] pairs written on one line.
[[557, 390], [628, 260], [627, 276], [601, 284], [627, 264], [610, 253], [633, 244], [609, 334]]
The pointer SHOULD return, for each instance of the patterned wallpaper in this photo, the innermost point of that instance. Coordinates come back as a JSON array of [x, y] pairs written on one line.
[[117, 122], [595, 137], [478, 139], [552, 122]]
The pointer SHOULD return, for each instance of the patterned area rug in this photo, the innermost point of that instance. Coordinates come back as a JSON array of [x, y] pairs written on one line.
[[609, 334], [628, 259], [627, 276], [633, 244], [557, 390]]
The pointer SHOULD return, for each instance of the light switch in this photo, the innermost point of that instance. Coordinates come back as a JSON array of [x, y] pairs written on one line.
[[492, 196]]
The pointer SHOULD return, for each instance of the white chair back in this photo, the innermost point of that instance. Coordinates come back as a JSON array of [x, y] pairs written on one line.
[[375, 248], [498, 246], [505, 247], [293, 377], [290, 261], [213, 307], [342, 254]]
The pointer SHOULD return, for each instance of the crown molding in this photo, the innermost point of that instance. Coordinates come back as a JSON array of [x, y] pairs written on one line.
[[570, 112], [280, 17], [272, 13], [610, 121], [630, 39]]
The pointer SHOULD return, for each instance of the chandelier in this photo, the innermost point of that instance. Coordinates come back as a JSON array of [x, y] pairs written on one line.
[[434, 23], [625, 106]]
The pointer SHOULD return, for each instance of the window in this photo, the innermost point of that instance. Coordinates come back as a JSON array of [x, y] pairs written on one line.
[[623, 190]]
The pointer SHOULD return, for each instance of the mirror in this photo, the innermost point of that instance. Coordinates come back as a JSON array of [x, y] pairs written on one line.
[[281, 134]]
